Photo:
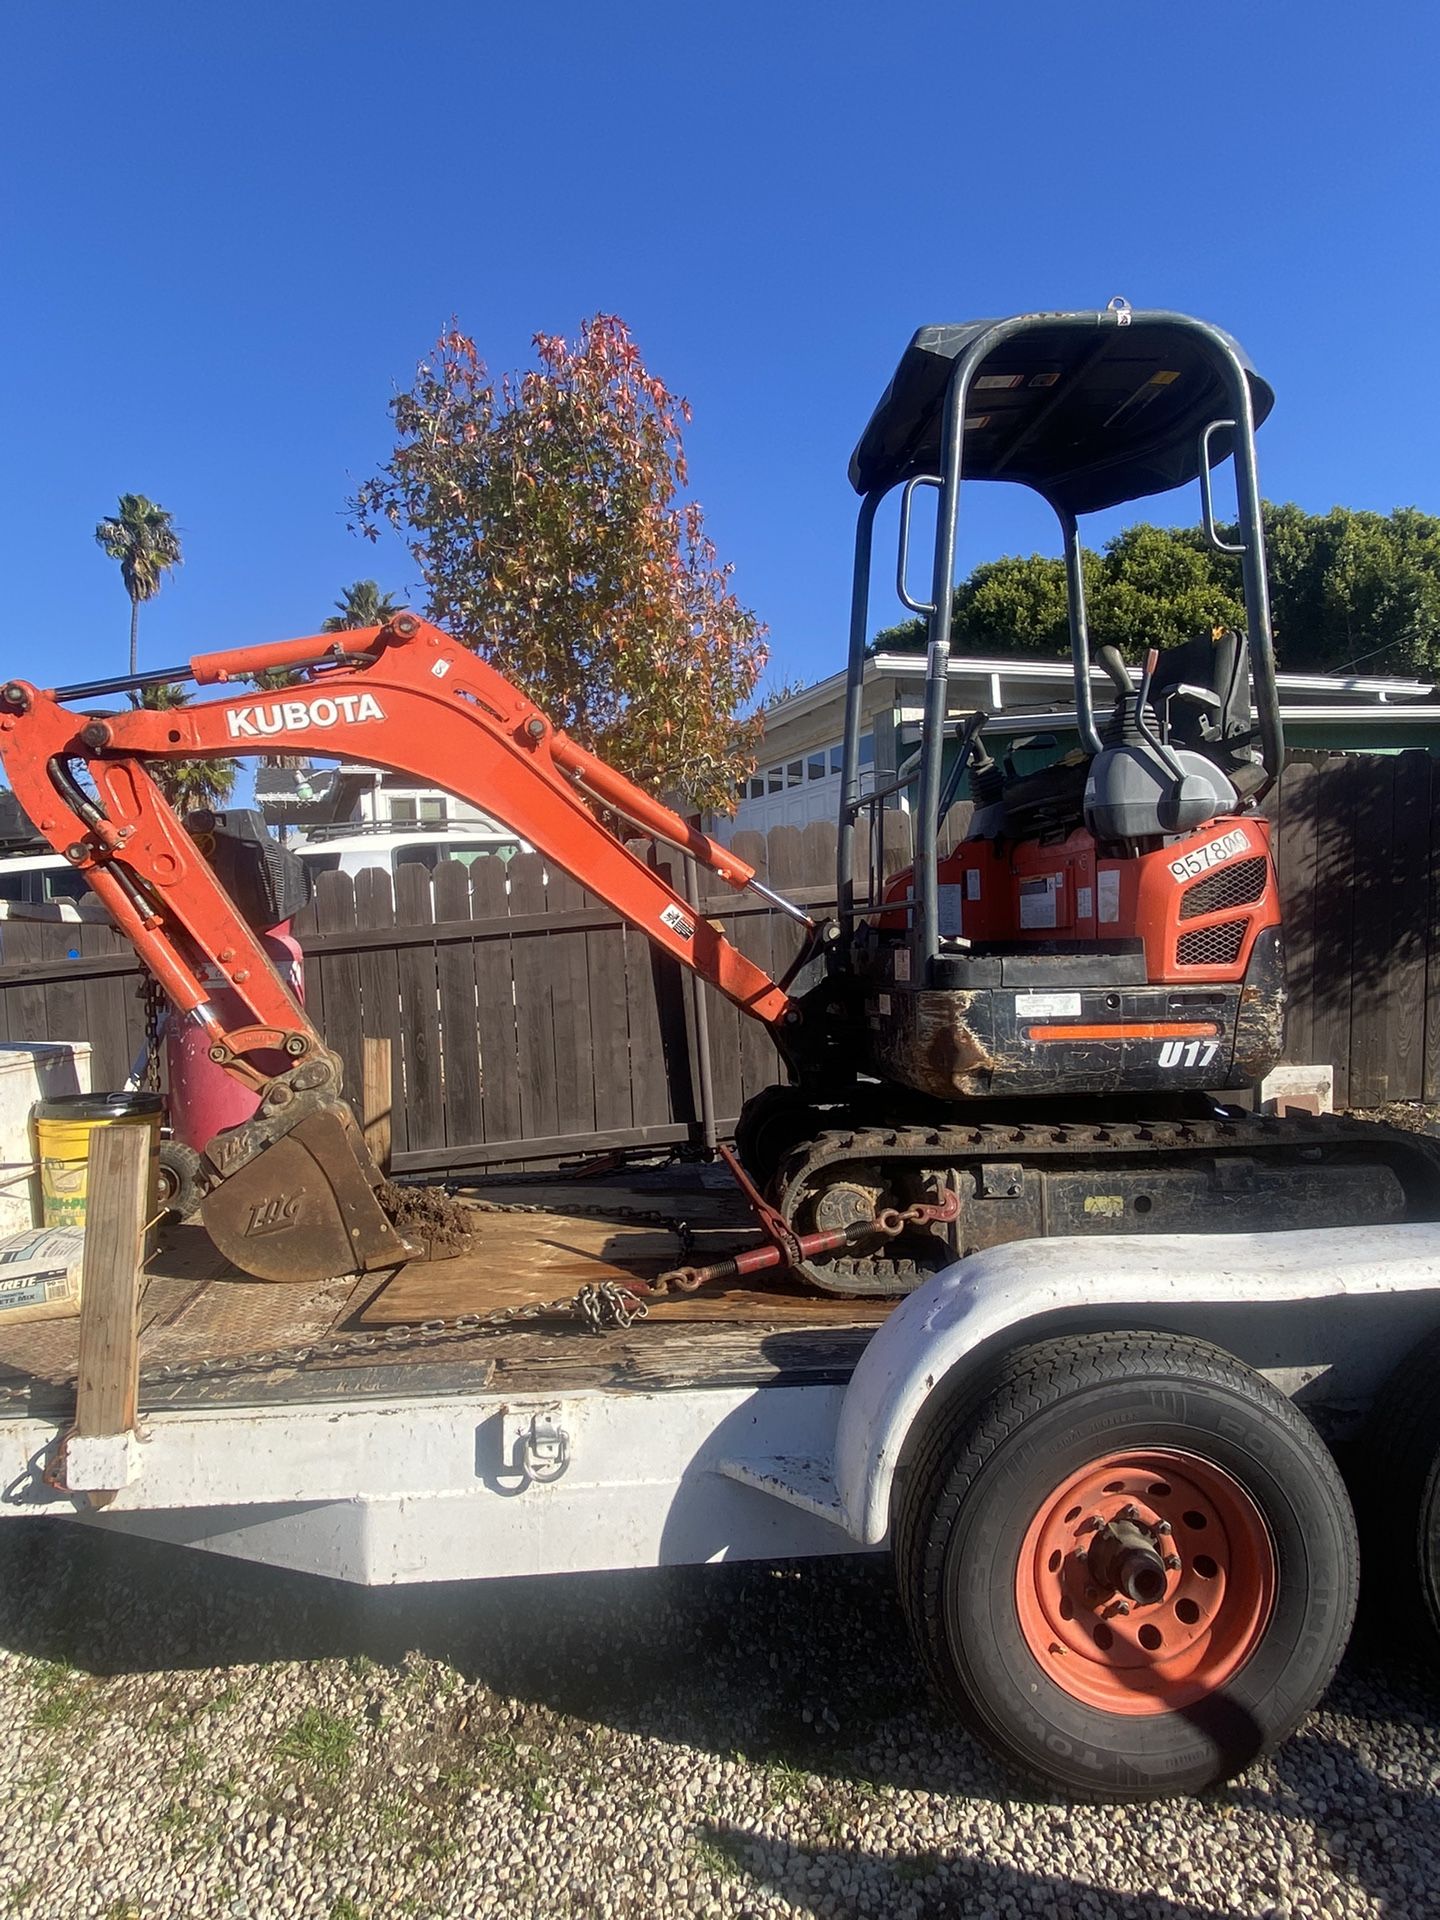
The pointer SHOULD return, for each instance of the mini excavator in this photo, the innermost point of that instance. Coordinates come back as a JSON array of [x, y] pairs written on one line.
[[1030, 1031]]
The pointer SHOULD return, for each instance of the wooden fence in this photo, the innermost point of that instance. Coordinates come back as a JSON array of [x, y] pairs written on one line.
[[527, 1023]]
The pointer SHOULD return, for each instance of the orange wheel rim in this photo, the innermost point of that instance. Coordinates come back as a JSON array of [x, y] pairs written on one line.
[[1145, 1582]]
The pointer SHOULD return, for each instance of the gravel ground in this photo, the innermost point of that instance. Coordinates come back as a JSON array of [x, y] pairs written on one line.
[[188, 1736]]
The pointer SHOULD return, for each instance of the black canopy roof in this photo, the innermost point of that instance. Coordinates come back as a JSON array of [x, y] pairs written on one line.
[[1087, 411]]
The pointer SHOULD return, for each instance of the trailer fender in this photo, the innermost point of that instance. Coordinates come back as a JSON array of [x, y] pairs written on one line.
[[992, 1301]]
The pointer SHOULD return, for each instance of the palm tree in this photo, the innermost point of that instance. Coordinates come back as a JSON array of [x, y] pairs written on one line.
[[361, 605], [142, 537], [187, 784]]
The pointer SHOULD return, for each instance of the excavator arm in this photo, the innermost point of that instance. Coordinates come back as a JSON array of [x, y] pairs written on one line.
[[295, 1191]]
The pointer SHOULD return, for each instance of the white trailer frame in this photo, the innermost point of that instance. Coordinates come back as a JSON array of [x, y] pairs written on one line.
[[478, 1484]]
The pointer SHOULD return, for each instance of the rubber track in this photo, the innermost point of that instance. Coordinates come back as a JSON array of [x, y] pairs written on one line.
[[1414, 1158]]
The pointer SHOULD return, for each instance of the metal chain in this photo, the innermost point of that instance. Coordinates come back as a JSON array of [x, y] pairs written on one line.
[[598, 1307], [154, 998]]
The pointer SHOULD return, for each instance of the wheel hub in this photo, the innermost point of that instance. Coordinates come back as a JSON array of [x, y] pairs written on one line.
[[1145, 1582], [1123, 1558]]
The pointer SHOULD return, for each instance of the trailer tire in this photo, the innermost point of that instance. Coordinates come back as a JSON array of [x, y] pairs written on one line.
[[994, 1532], [1402, 1476]]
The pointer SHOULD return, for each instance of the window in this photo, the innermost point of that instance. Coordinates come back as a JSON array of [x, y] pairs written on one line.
[[62, 883], [837, 759], [775, 780], [867, 749], [815, 766], [795, 773], [402, 813], [757, 788], [432, 813]]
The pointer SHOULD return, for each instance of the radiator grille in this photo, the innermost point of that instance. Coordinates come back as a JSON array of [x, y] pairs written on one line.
[[1212, 946], [1238, 886]]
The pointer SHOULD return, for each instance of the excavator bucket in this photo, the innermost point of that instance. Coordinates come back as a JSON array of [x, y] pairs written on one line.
[[305, 1208]]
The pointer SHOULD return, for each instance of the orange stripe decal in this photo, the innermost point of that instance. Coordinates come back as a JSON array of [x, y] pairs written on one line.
[[1141, 1030]]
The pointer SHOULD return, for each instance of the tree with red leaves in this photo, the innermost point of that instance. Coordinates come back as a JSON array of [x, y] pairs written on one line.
[[547, 517]]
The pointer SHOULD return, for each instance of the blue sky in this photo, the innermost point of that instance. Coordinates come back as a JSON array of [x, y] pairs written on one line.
[[230, 232]]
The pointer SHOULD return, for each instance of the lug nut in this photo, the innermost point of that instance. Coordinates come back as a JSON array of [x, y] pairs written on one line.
[[1172, 1561], [1132, 1512], [1163, 1526]]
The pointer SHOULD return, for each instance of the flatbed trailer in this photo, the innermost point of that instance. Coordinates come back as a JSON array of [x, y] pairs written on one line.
[[374, 1434]]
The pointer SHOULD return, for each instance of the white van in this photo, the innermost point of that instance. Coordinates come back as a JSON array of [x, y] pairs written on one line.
[[352, 846], [39, 880]]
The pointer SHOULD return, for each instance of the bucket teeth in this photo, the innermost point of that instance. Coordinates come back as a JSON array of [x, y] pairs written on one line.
[[305, 1208]]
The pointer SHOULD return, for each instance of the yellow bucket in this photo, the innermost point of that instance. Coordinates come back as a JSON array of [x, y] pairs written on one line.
[[63, 1126]]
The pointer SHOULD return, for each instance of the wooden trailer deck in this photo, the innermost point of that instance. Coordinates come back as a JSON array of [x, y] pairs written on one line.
[[199, 1313]]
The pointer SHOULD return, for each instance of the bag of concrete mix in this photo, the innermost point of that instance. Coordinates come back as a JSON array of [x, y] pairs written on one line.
[[40, 1274]]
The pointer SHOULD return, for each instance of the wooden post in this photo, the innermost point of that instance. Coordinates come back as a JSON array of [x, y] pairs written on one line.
[[117, 1191], [375, 1098]]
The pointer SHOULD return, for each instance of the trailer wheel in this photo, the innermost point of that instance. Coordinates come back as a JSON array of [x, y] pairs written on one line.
[[181, 1181], [1128, 1562], [1402, 1473]]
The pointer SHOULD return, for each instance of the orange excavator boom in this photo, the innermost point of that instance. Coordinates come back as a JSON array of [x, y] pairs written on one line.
[[405, 697]]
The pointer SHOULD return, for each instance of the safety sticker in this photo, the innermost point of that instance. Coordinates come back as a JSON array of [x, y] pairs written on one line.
[[1084, 902], [1111, 1205], [902, 963], [677, 922], [1037, 900], [1108, 893], [972, 883], [950, 911], [1046, 1003]]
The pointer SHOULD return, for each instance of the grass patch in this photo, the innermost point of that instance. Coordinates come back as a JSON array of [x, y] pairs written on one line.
[[713, 1857], [517, 1768], [21, 1894], [60, 1693], [323, 1742]]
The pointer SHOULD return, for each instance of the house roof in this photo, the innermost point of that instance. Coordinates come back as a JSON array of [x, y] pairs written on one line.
[[1017, 681]]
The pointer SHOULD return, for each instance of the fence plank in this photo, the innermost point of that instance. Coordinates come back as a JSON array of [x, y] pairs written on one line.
[[380, 989], [1372, 785], [1404, 969], [419, 1012], [650, 1087], [495, 1004], [609, 1025], [335, 979], [114, 1022], [534, 1007], [1296, 857], [570, 988], [759, 1063], [1432, 957], [1339, 785], [459, 1026]]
